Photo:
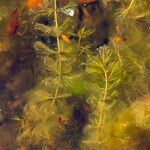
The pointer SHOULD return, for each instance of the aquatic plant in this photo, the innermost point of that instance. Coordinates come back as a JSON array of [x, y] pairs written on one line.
[[109, 81], [47, 112], [127, 85], [104, 76]]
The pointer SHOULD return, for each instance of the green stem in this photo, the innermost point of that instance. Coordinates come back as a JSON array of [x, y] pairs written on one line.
[[129, 7], [79, 42], [58, 49], [103, 103], [118, 54]]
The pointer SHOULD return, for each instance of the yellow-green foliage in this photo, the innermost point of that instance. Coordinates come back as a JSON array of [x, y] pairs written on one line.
[[47, 113], [110, 80], [134, 50], [104, 76], [128, 70], [130, 125]]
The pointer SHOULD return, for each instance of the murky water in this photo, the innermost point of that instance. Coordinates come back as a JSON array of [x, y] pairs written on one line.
[[74, 75]]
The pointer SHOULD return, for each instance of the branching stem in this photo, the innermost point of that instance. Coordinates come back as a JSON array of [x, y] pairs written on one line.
[[103, 103], [129, 7]]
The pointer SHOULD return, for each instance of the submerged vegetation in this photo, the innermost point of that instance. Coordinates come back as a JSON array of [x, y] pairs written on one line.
[[83, 97]]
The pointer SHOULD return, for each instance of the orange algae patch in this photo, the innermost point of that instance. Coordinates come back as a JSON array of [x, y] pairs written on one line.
[[119, 39], [34, 4]]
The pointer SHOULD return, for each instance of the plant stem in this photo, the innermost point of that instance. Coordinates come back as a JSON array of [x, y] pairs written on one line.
[[129, 7], [118, 54], [103, 103], [79, 42], [58, 49]]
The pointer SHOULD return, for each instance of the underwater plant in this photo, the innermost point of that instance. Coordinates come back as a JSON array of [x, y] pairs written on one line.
[[47, 111], [72, 77], [128, 84], [104, 76]]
